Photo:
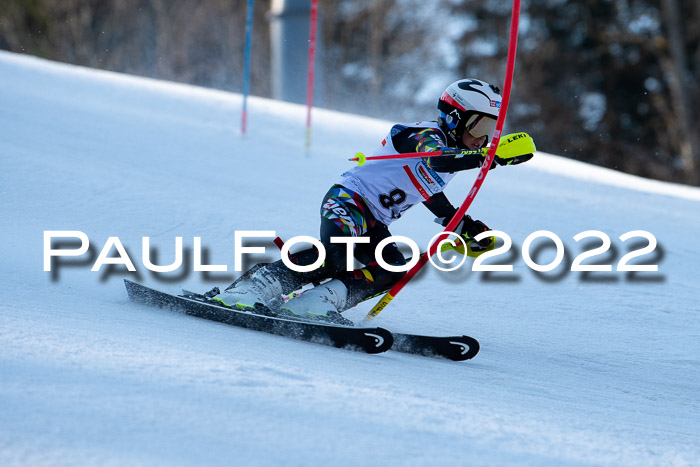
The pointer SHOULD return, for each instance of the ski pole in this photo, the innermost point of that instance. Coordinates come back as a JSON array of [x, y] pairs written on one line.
[[361, 158], [510, 65], [512, 145]]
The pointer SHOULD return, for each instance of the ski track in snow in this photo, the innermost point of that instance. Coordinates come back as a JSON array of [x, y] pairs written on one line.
[[597, 369]]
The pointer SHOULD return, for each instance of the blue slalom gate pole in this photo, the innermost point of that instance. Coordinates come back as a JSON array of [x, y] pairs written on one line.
[[246, 65], [310, 78]]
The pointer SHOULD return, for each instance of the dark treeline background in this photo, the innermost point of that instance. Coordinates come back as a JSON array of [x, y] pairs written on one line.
[[611, 82]]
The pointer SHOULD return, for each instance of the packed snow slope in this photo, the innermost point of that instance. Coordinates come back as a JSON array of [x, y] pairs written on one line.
[[576, 368]]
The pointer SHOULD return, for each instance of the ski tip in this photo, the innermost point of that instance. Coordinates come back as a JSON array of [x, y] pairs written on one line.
[[468, 348], [382, 340], [456, 348]]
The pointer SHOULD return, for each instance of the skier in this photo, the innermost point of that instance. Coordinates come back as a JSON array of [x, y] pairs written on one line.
[[369, 197]]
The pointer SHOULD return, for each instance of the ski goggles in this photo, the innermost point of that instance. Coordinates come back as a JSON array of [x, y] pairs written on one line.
[[479, 125]]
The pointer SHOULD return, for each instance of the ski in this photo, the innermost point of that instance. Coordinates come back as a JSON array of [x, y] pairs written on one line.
[[457, 348], [370, 340]]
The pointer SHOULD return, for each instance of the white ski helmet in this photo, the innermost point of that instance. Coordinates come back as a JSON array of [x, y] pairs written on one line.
[[469, 104]]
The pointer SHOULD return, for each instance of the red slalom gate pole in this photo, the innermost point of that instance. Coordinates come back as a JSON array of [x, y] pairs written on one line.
[[310, 80], [510, 66]]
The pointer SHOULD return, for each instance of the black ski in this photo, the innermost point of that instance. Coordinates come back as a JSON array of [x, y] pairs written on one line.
[[370, 340], [455, 348]]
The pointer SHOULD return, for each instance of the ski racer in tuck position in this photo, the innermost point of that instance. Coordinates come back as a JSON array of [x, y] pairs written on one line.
[[368, 198]]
